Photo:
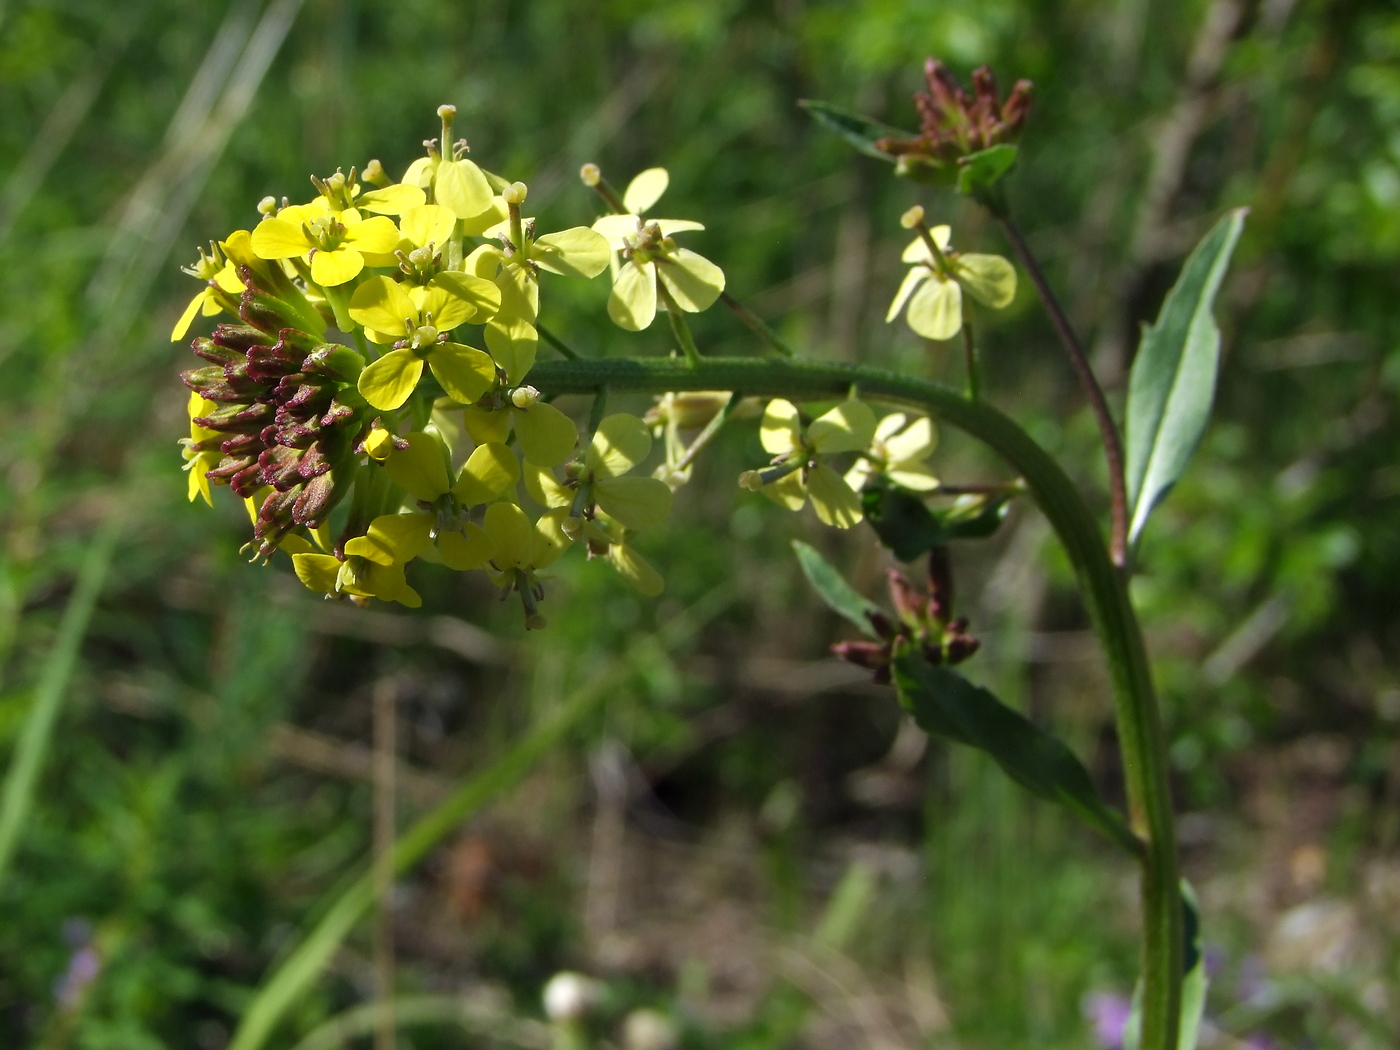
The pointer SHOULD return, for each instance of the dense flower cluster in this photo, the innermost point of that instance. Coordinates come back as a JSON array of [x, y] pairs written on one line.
[[366, 392]]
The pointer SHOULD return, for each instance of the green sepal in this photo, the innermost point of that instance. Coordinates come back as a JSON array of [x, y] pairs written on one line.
[[980, 171], [336, 361], [832, 588], [946, 704], [860, 131], [908, 527]]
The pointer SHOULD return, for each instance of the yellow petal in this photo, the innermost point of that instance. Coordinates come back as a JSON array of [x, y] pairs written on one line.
[[544, 488], [913, 476], [917, 250], [513, 343], [575, 252], [187, 318], [393, 538], [835, 502], [935, 311], [781, 430], [464, 372], [438, 308], [228, 278], [619, 444], [378, 235], [421, 469], [859, 474], [510, 533], [489, 473], [461, 186], [546, 435], [632, 302], [633, 568], [468, 549], [238, 247], [427, 224], [639, 503], [915, 277], [420, 172], [317, 571], [615, 229], [550, 540], [484, 424], [914, 443], [383, 305], [645, 190], [278, 239], [197, 484], [989, 279], [294, 545], [670, 226], [481, 295], [392, 200], [788, 491], [693, 281], [330, 268], [846, 428], [520, 293], [484, 261], [387, 382], [890, 425], [387, 583]]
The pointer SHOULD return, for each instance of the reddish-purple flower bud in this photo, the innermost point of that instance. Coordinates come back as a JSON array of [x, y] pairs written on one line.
[[870, 655]]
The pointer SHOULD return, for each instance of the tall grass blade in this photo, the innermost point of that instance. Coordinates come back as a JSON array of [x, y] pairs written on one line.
[[17, 795]]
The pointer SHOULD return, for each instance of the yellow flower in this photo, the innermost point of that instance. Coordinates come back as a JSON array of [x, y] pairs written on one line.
[[424, 315], [607, 538], [522, 548], [933, 287], [546, 436], [337, 244], [356, 578], [798, 472], [619, 444], [198, 462], [216, 268], [421, 471], [342, 193], [649, 255], [898, 452]]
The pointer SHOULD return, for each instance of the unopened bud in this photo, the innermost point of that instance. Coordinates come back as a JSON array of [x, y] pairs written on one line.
[[379, 444], [524, 397], [267, 206], [374, 174], [515, 193], [591, 174], [912, 218]]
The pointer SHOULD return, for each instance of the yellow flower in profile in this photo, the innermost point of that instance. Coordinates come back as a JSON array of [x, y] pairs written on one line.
[[607, 538], [620, 443], [522, 548], [198, 462], [356, 578], [422, 316], [337, 244], [933, 288], [219, 274], [648, 254], [898, 452], [545, 435], [798, 473]]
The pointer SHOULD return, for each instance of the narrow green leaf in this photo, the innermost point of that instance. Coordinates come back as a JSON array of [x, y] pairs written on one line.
[[946, 704], [1173, 377], [1193, 985], [832, 588], [22, 777], [985, 168], [909, 527], [860, 131]]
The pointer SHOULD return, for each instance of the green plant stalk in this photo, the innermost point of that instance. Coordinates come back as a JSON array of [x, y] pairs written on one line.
[[17, 795], [1140, 736]]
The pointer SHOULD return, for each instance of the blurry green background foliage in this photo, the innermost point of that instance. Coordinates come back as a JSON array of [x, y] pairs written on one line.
[[206, 791]]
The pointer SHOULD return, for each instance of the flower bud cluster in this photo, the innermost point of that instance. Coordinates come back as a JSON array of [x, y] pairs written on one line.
[[954, 124]]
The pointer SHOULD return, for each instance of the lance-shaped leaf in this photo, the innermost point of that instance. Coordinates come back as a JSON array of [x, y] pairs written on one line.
[[832, 588], [1193, 984], [908, 527], [860, 131], [1173, 378], [946, 704]]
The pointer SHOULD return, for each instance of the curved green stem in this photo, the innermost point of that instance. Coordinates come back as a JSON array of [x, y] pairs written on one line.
[[1140, 736]]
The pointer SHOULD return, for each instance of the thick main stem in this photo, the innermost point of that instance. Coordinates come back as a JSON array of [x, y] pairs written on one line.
[[1108, 429], [385, 703], [1141, 740]]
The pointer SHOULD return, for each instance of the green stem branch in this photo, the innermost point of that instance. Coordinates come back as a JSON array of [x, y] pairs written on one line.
[[1141, 740]]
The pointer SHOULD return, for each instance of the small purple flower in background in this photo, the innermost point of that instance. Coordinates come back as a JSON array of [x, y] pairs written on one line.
[[1108, 1012], [1215, 959], [1253, 984], [1260, 1041], [83, 966]]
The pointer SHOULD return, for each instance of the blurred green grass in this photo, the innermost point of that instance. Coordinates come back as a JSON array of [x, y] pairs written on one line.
[[186, 826]]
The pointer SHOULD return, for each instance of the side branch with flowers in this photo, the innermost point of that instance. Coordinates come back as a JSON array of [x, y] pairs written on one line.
[[373, 396]]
